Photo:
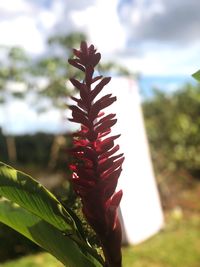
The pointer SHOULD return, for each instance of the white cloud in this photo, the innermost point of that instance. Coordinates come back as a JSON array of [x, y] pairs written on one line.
[[25, 23], [102, 25], [47, 19], [22, 31], [164, 60], [10, 7], [161, 21], [18, 117], [16, 87]]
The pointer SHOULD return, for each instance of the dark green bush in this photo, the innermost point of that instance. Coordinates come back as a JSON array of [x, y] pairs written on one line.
[[173, 128]]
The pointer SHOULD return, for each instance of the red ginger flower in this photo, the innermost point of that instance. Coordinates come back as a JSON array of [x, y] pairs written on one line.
[[96, 173]]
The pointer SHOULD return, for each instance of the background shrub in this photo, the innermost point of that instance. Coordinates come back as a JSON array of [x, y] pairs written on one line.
[[173, 128]]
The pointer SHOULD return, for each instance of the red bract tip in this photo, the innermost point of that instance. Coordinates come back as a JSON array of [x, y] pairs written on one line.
[[96, 173]]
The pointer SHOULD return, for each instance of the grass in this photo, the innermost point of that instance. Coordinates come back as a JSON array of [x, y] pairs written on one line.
[[178, 245]]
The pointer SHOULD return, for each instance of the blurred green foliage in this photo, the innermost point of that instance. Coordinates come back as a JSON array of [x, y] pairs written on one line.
[[36, 150], [173, 128], [14, 68]]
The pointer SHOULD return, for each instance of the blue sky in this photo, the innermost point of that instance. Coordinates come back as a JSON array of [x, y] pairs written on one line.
[[157, 38]]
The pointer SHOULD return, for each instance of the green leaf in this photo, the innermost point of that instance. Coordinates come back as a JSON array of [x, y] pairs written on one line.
[[44, 234], [196, 75], [22, 189]]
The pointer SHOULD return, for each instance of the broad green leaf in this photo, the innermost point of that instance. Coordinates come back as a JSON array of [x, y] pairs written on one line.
[[45, 235], [22, 189], [196, 75]]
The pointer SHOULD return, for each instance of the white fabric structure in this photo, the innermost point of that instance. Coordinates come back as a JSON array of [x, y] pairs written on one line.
[[141, 212]]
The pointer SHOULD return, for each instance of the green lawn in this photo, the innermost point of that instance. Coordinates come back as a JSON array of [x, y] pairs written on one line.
[[178, 245]]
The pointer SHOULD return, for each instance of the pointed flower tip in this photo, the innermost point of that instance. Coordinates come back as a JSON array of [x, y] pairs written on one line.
[[118, 196], [84, 47]]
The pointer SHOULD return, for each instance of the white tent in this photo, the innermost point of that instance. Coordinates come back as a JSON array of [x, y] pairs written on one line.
[[141, 212]]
